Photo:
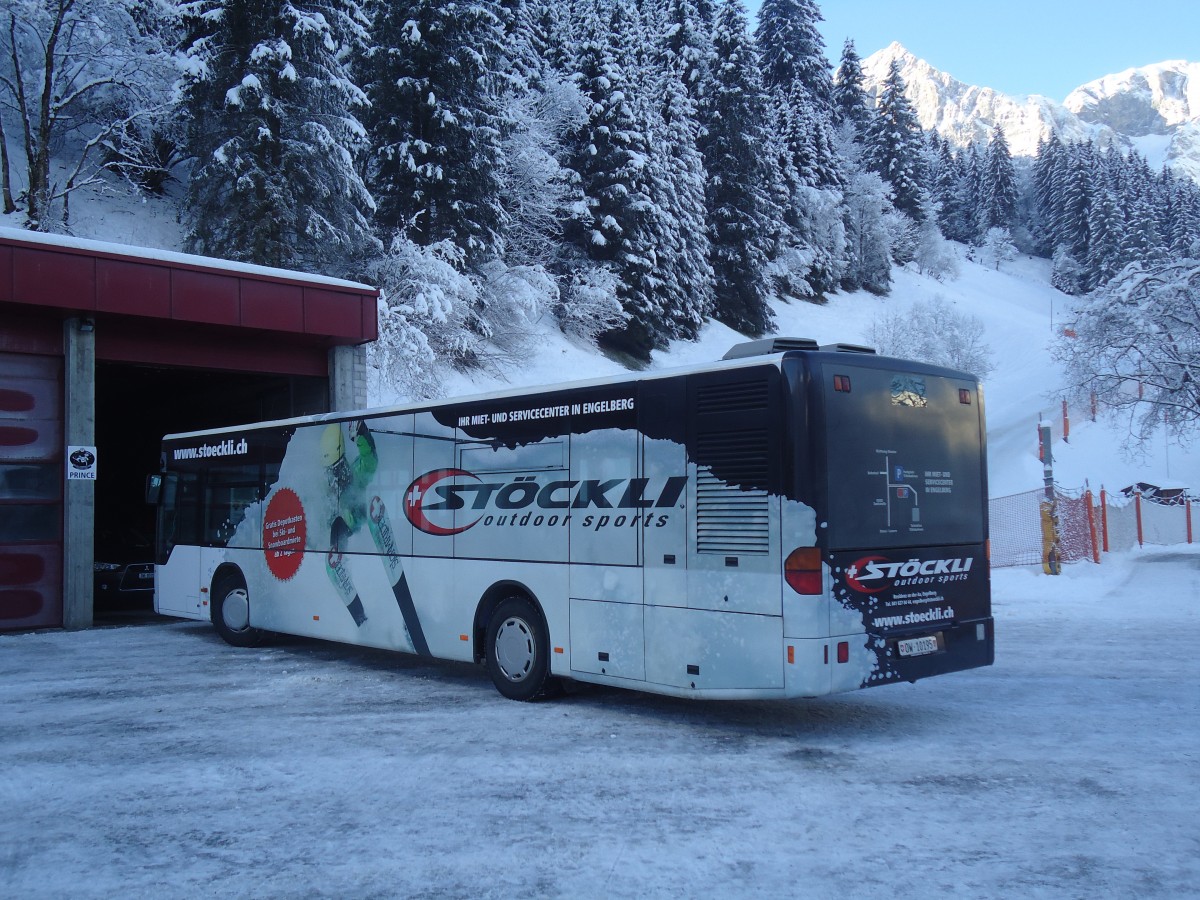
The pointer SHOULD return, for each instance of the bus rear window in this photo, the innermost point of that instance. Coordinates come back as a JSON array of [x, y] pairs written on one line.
[[903, 458]]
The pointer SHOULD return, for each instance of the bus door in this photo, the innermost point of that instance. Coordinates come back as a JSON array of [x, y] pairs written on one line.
[[177, 576]]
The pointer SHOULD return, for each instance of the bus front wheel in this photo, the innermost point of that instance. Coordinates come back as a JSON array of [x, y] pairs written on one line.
[[231, 613], [518, 651]]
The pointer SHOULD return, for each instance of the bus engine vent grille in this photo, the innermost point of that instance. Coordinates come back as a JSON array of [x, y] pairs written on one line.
[[737, 396], [731, 520]]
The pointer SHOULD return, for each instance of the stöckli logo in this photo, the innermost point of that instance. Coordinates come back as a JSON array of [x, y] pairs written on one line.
[[450, 501], [872, 574]]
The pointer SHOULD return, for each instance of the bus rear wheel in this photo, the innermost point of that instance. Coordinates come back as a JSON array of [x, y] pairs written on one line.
[[517, 651], [231, 613]]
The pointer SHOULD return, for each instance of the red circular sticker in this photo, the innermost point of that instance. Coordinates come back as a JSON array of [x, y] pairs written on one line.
[[283, 534]]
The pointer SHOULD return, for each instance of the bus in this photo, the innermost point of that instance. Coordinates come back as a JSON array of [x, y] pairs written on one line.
[[793, 520]]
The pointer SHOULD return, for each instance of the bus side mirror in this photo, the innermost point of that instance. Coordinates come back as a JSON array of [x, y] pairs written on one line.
[[154, 485]]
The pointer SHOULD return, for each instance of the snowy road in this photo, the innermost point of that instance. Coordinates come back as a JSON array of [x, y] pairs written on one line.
[[156, 761]]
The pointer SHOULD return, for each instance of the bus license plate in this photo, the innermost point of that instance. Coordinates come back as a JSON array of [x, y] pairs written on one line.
[[918, 646]]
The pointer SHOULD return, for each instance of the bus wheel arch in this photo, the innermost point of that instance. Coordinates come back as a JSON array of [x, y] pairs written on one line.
[[492, 598], [229, 608], [515, 643]]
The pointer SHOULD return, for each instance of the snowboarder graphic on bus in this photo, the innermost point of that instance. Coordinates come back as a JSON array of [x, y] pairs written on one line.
[[349, 480]]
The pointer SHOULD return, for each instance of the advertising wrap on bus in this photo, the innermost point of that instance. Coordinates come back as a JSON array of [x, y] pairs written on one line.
[[631, 533]]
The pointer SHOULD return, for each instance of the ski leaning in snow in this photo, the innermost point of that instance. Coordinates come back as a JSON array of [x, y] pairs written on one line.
[[792, 521]]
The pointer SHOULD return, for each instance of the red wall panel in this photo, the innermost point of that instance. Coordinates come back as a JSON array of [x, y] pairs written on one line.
[[332, 313], [50, 278], [205, 297], [273, 307], [133, 288]]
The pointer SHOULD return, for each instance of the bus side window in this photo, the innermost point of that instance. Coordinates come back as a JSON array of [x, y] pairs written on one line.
[[230, 492]]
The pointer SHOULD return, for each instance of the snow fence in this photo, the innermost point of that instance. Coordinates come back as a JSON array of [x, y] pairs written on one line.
[[1086, 525]]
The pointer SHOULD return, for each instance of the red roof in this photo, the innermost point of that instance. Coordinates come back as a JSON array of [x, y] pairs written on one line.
[[47, 273]]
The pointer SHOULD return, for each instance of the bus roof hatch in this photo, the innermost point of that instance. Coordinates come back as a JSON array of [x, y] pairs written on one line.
[[847, 348], [767, 346]]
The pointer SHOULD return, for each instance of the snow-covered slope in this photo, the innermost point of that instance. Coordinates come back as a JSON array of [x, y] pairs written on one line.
[[1155, 109]]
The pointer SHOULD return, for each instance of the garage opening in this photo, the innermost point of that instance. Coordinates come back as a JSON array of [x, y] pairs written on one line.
[[135, 406]]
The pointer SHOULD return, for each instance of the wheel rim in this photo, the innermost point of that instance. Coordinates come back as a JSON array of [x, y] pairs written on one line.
[[516, 650], [235, 610]]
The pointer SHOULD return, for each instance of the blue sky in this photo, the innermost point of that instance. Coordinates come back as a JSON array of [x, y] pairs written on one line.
[[1047, 47]]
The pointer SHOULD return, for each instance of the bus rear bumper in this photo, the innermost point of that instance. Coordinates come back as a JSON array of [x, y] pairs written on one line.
[[905, 656]]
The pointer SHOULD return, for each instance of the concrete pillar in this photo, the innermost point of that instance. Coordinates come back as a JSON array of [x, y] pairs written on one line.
[[348, 378], [79, 506]]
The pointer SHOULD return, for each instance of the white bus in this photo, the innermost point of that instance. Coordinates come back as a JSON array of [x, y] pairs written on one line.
[[791, 521]]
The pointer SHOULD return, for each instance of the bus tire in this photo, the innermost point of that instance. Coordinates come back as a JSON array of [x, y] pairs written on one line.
[[517, 651], [231, 612]]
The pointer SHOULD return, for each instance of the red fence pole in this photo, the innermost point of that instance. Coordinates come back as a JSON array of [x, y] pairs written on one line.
[[1137, 506], [1104, 517], [1092, 526], [1066, 424]]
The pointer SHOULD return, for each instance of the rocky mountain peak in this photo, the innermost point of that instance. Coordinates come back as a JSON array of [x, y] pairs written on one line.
[[1154, 109]]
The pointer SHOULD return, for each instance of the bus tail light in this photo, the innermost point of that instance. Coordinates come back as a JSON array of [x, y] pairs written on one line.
[[843, 651], [802, 570]]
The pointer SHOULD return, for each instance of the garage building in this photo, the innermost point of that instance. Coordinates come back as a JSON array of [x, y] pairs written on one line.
[[104, 349]]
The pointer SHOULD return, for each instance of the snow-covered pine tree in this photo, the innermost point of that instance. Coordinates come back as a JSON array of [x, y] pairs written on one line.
[[1075, 193], [611, 154], [999, 184], [1141, 241], [1179, 219], [740, 211], [810, 254], [1046, 201], [894, 146], [1106, 232], [687, 39], [953, 210], [678, 189], [792, 51], [274, 133], [436, 123], [849, 99]]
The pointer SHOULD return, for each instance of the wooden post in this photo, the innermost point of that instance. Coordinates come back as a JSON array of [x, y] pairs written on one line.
[[1137, 505], [1187, 505], [1091, 511], [1066, 424], [1104, 518]]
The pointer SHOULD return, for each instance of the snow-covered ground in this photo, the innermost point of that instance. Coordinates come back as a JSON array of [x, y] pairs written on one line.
[[156, 761]]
